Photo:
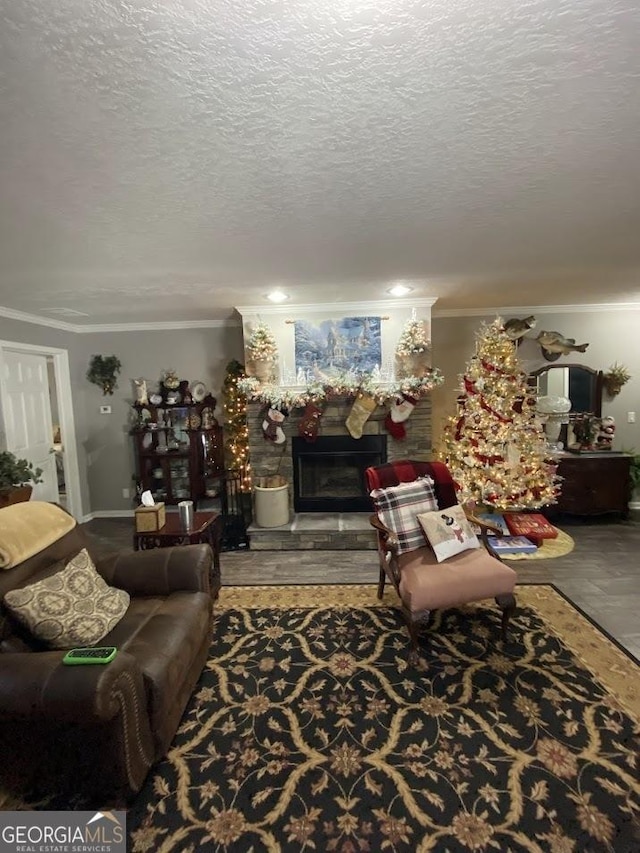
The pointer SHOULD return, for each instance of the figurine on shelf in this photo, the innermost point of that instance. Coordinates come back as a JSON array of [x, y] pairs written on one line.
[[606, 432], [169, 386], [584, 429], [208, 419], [170, 380], [142, 398]]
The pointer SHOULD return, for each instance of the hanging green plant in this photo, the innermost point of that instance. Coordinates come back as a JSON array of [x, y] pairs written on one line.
[[103, 371]]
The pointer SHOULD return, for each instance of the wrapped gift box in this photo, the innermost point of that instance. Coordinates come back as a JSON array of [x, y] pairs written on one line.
[[505, 545], [497, 519], [533, 525]]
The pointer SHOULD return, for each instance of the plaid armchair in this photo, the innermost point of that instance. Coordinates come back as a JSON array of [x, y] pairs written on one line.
[[422, 583]]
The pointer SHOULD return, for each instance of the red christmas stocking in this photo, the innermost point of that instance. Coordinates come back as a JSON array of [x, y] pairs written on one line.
[[399, 412], [309, 422]]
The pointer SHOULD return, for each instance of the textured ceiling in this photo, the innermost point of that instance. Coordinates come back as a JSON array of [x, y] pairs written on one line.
[[170, 159]]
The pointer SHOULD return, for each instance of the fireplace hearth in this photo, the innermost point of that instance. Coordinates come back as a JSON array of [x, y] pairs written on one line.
[[328, 474]]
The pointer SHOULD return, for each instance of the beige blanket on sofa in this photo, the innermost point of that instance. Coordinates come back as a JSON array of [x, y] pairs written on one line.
[[28, 528]]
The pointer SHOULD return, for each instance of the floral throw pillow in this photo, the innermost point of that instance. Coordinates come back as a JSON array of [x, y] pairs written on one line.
[[398, 506], [448, 532], [74, 607]]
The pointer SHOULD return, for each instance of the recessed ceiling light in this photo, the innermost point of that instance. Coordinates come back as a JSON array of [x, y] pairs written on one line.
[[399, 290], [277, 296]]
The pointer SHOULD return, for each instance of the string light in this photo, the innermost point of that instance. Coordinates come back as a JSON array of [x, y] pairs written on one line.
[[236, 431]]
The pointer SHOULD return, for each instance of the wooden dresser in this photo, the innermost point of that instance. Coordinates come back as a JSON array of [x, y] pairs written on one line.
[[593, 484]]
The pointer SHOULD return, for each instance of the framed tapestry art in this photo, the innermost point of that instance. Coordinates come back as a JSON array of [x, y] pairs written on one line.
[[333, 346]]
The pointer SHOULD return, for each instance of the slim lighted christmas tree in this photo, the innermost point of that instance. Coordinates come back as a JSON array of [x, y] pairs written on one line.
[[236, 430], [494, 446]]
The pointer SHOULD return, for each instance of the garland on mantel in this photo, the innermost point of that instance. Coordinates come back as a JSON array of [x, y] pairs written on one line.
[[343, 385]]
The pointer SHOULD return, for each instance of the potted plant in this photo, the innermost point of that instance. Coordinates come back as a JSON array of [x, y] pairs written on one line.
[[634, 471], [16, 478], [103, 371], [615, 378]]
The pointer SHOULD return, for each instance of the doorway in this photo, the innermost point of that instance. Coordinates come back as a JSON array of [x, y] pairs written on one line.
[[37, 418]]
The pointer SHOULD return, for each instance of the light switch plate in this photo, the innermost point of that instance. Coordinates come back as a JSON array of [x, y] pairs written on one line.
[[105, 410]]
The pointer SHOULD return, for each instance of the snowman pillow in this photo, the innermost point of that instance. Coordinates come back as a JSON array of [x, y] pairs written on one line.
[[448, 532]]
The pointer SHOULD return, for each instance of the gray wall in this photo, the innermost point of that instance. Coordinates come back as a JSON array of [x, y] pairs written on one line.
[[104, 445], [105, 453], [195, 354]]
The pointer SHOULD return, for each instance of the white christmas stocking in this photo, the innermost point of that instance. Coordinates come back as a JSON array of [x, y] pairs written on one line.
[[399, 412]]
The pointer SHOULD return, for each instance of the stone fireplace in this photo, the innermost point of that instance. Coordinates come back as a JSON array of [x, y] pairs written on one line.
[[328, 503], [268, 458]]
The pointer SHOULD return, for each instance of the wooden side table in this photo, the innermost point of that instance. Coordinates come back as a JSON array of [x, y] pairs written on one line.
[[207, 528]]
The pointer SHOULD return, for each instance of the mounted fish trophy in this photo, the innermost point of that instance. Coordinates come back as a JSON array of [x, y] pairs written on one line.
[[554, 344], [518, 328]]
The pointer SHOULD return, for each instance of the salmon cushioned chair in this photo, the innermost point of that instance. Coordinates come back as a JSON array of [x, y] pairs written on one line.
[[424, 583]]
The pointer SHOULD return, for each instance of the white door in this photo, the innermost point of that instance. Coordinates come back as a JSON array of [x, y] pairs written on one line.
[[26, 408]]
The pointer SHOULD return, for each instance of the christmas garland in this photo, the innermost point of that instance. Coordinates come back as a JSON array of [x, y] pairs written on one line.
[[343, 385]]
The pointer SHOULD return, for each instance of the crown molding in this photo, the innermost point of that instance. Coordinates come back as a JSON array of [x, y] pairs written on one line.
[[537, 309], [274, 310], [23, 317], [317, 307], [87, 329], [159, 326]]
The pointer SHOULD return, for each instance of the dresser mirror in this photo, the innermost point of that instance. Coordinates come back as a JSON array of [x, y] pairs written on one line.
[[581, 384]]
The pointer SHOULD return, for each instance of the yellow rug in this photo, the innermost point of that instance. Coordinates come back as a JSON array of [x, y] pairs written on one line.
[[559, 547]]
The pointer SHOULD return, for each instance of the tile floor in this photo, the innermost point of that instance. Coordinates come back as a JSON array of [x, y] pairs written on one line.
[[601, 575]]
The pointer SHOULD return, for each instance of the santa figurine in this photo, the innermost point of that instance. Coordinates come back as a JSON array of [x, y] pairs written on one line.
[[606, 431]]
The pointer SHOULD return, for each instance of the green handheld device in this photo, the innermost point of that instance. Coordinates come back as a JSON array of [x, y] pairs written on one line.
[[96, 654]]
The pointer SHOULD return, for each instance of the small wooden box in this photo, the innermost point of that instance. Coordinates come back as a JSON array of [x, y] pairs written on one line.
[[150, 518]]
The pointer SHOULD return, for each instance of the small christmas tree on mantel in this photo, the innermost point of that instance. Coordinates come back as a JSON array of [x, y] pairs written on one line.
[[262, 351], [494, 446], [413, 348]]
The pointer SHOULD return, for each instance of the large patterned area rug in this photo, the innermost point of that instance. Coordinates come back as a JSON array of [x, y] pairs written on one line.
[[310, 732]]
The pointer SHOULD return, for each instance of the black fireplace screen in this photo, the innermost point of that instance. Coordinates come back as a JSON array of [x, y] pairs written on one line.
[[328, 474]]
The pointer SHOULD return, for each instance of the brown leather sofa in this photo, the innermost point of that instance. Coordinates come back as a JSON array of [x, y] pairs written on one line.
[[94, 731]]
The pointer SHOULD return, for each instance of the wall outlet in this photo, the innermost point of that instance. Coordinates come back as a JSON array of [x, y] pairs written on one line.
[[631, 417], [105, 410], [125, 493]]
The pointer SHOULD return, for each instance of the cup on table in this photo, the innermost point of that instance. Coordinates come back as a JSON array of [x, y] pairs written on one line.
[[185, 508]]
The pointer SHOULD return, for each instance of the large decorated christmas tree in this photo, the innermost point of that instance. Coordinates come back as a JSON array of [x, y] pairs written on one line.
[[495, 446]]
